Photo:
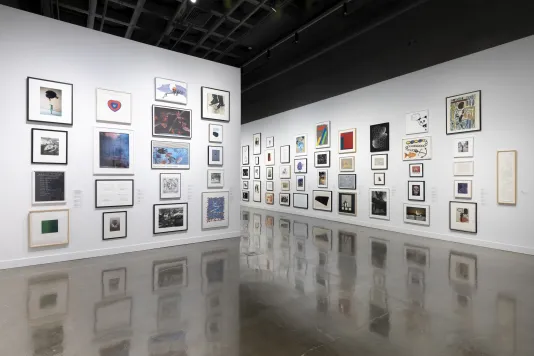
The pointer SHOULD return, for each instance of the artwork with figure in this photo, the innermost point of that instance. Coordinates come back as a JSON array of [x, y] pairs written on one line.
[[417, 122], [171, 122], [379, 203], [171, 91], [463, 112]]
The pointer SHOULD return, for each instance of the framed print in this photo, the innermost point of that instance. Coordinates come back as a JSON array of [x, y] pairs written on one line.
[[507, 177], [347, 141], [269, 198], [48, 228], [301, 145], [256, 147], [245, 150], [463, 216], [346, 181], [346, 164], [379, 203], [300, 200], [48, 298], [257, 173], [49, 187], [114, 193], [170, 185], [50, 146], [215, 104], [464, 168], [285, 155], [463, 268], [417, 122], [464, 112], [269, 186], [322, 200], [347, 203], [49, 101], [256, 191], [284, 199], [245, 195], [301, 182], [215, 156], [416, 170], [380, 178], [245, 172], [114, 282], [215, 210], [113, 151], [322, 135], [417, 214], [418, 148], [170, 155], [379, 137], [285, 185], [464, 147], [322, 178], [170, 218], [269, 173], [171, 122], [463, 189], [257, 161], [379, 162], [245, 184], [113, 106], [301, 165], [322, 159], [114, 225], [169, 274], [285, 172], [215, 178], [416, 190], [269, 142], [269, 157], [170, 91]]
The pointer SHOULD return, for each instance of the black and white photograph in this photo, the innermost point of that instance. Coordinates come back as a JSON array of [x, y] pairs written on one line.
[[346, 181], [215, 178], [284, 199], [170, 218], [215, 104], [257, 172], [347, 203], [322, 178], [322, 159], [416, 190], [245, 172], [269, 142], [464, 147], [269, 173], [49, 146], [244, 195], [48, 187], [49, 101], [379, 162], [215, 155], [169, 274], [114, 225], [256, 191], [170, 186], [322, 200], [380, 178], [417, 214], [379, 137], [301, 165], [379, 203]]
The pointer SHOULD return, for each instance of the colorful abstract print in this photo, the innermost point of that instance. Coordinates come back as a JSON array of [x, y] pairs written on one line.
[[215, 210], [346, 140], [463, 113], [170, 155], [322, 135]]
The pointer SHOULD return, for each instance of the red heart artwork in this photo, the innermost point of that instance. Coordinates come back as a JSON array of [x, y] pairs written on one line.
[[114, 105]]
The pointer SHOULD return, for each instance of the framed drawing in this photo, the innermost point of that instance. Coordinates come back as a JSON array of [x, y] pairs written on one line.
[[257, 172], [463, 269], [48, 228], [171, 122], [463, 189], [215, 104], [346, 181], [285, 185], [464, 147], [347, 203], [49, 101], [464, 112], [379, 162], [114, 282], [284, 199], [269, 157], [322, 178], [380, 178], [322, 135], [170, 185], [463, 216], [322, 200], [170, 91], [301, 145], [245, 150], [170, 218], [346, 164], [245, 184], [269, 142], [285, 172], [269, 186], [48, 187], [50, 146], [417, 214], [300, 200], [244, 195], [113, 151], [464, 168], [301, 182], [48, 298], [379, 137], [379, 203], [507, 177], [114, 193], [347, 141], [417, 122], [269, 198], [415, 149], [256, 191], [114, 225], [416, 190], [215, 156], [113, 106], [285, 155], [245, 172], [170, 155], [169, 274], [215, 210], [301, 165], [416, 170], [215, 178], [256, 143], [269, 173], [322, 159]]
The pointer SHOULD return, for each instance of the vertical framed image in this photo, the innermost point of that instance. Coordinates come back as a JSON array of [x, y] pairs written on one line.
[[269, 173], [464, 168], [215, 104], [322, 178], [346, 181], [49, 187], [416, 170], [269, 186], [215, 210], [214, 266], [49, 101], [322, 159], [269, 157], [379, 162], [245, 195], [114, 282], [347, 141], [464, 112], [269, 198], [245, 150], [380, 178], [300, 200], [48, 228], [301, 165], [346, 164], [215, 178], [417, 214], [170, 91], [416, 190], [417, 148], [463, 216], [379, 137], [114, 193], [284, 199], [257, 160], [322, 135], [256, 191], [170, 218], [322, 239], [113, 151], [245, 184], [169, 274], [417, 122], [463, 189], [269, 142], [170, 185], [322, 200], [464, 147], [301, 182], [379, 203], [113, 106], [215, 156], [463, 269], [114, 225], [257, 172], [285, 185], [379, 255], [347, 203], [285, 172], [256, 144], [171, 122], [50, 146], [347, 243], [48, 297], [245, 172], [301, 145], [507, 177], [285, 154]]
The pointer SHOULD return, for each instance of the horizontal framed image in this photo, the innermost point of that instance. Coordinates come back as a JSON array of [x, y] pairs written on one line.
[[269, 173], [417, 148], [346, 181], [417, 122], [50, 146], [284, 199], [463, 269], [322, 200], [170, 155], [269, 142], [215, 156], [379, 203], [285, 185], [49, 187], [347, 141], [301, 165], [170, 91], [170, 185], [245, 151], [49, 101], [245, 195], [300, 200], [346, 164], [322, 178], [215, 104], [256, 191], [416, 190], [245, 184], [301, 145], [507, 177], [48, 228], [463, 189], [171, 122], [463, 216], [114, 225], [464, 168], [322, 159], [170, 218], [380, 178], [269, 157], [269, 198], [215, 210], [301, 182], [256, 144], [114, 193], [464, 147], [269, 186], [113, 151], [417, 214], [114, 282], [113, 106], [322, 239], [464, 112], [215, 178], [379, 162], [285, 154], [169, 274], [245, 172], [347, 203], [416, 170], [257, 172], [285, 172]]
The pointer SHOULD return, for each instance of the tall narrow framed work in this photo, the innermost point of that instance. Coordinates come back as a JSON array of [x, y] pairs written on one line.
[[322, 135], [215, 210], [113, 151], [256, 143], [215, 104], [301, 145], [49, 101], [464, 112], [48, 228], [507, 177]]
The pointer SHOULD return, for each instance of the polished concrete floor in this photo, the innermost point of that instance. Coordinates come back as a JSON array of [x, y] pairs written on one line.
[[289, 285]]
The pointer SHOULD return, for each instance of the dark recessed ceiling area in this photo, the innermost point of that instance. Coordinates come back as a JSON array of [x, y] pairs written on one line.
[[296, 52]]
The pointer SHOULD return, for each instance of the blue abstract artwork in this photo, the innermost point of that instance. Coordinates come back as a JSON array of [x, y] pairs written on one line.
[[215, 211], [114, 150], [173, 156]]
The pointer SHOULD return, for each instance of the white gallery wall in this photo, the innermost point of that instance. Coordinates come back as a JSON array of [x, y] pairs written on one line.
[[35, 46], [504, 75]]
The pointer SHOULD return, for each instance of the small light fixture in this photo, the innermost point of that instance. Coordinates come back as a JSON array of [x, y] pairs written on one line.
[[268, 54], [272, 5], [193, 1], [296, 39]]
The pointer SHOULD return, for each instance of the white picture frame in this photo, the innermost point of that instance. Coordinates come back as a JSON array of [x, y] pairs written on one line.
[[215, 210], [417, 148], [269, 157], [417, 122], [300, 200], [284, 199], [49, 187], [215, 104], [463, 189], [464, 168], [346, 164], [269, 186], [215, 178], [179, 159], [322, 178], [256, 191], [245, 151], [285, 185], [113, 106], [507, 177], [379, 178], [379, 203], [285, 154], [245, 195], [245, 185], [216, 133], [169, 275], [257, 172], [215, 156], [464, 147], [301, 182], [113, 151], [170, 185], [322, 135], [114, 225], [269, 173], [114, 193], [347, 181], [301, 145], [301, 165], [114, 282], [269, 142], [49, 101], [379, 162], [256, 144], [285, 172], [245, 172], [347, 141], [48, 228], [170, 91], [416, 214], [322, 200]]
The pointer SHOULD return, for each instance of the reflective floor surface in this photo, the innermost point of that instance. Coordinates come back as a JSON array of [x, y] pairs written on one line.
[[289, 285]]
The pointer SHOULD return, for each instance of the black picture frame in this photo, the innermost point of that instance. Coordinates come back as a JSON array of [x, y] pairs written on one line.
[[383, 175], [245, 195], [126, 224], [66, 144], [353, 202], [410, 170], [476, 217], [202, 104], [28, 102], [339, 179], [307, 201], [154, 106], [253, 192], [447, 115], [257, 169], [317, 153], [423, 190], [387, 162], [248, 155], [168, 232], [295, 165], [267, 173], [222, 156], [288, 199], [373, 131], [112, 180], [243, 176]]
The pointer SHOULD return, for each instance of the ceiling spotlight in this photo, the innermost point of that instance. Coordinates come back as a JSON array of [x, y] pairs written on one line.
[[296, 39], [268, 54], [272, 5], [193, 1]]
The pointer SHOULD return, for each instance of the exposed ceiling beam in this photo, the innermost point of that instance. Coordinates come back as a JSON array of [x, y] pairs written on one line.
[[135, 16], [182, 36], [98, 16], [262, 5], [171, 24], [189, 43], [103, 20], [92, 13]]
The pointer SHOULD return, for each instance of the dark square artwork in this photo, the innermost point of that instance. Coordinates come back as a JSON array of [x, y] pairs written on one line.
[[463, 188], [379, 137], [322, 158], [114, 224]]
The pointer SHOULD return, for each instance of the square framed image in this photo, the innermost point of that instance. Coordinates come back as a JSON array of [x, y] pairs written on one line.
[[170, 91], [464, 112], [256, 144], [245, 172], [300, 200], [245, 184], [257, 172], [346, 181], [464, 168], [285, 172], [216, 133], [379, 137], [114, 282], [50, 146], [170, 218], [245, 195], [269, 142], [463, 189], [215, 210], [416, 190], [269, 157], [417, 214], [301, 145], [48, 228], [379, 203], [285, 154], [380, 178], [463, 268], [169, 274], [322, 200], [347, 141], [464, 147], [113, 151], [171, 122], [463, 216], [245, 150], [301, 165], [284, 199], [285, 185], [113, 106], [347, 203], [170, 185], [379, 162], [322, 135], [215, 178], [215, 156], [416, 170], [114, 193], [49, 101], [417, 148], [257, 161], [322, 159], [256, 191], [48, 297], [417, 122], [301, 182], [215, 104], [269, 173], [269, 198], [346, 164], [114, 225], [507, 177], [269, 186], [322, 178], [49, 187]]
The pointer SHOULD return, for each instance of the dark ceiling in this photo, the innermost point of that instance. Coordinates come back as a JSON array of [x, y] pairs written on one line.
[[295, 52]]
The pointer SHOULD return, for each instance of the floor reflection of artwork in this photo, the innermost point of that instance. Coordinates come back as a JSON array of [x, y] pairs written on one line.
[[213, 270], [169, 311], [48, 340], [48, 297], [463, 269], [379, 253], [506, 325], [169, 274], [113, 316], [347, 243], [120, 348], [417, 256]]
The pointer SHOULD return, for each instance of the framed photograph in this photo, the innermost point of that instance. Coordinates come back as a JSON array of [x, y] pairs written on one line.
[[322, 178], [215, 178], [322, 135], [301, 145], [464, 168], [380, 178], [285, 155], [215, 104], [464, 147], [113, 151], [285, 185], [169, 274], [170, 91], [171, 122], [269, 142], [379, 203], [257, 172], [417, 214], [256, 191], [379, 137], [114, 282], [114, 193], [215, 156], [285, 172], [50, 146], [245, 184], [346, 181], [48, 228], [170, 155], [114, 225], [300, 200], [244, 195], [464, 112], [269, 198], [463, 268], [269, 186], [49, 187], [463, 189], [245, 172], [507, 177], [113, 106], [170, 218], [257, 160], [416, 190], [418, 148], [379, 162], [269, 157], [245, 150], [322, 200], [256, 147], [463, 216], [49, 101], [170, 185], [48, 298], [347, 141], [347, 203], [301, 165], [284, 199], [215, 210], [301, 182], [417, 122], [269, 173], [322, 159], [346, 164], [416, 170]]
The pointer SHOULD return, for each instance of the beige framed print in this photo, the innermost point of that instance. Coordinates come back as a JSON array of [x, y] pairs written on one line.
[[113, 151], [463, 216], [379, 162], [48, 228], [346, 164], [49, 101], [285, 185], [464, 112], [347, 141], [113, 106], [463, 189], [507, 177], [464, 168], [464, 147]]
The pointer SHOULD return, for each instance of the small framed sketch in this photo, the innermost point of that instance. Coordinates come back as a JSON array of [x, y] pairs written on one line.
[[463, 216], [285, 172], [48, 187], [256, 191], [114, 193], [171, 122], [215, 156], [49, 101], [245, 195], [300, 200], [169, 274], [216, 134], [285, 155], [269, 142], [114, 225], [170, 218], [416, 170], [269, 198], [379, 203], [464, 147], [380, 178], [301, 165], [379, 137], [48, 228], [346, 181], [322, 200], [170, 91], [346, 164], [347, 203], [245, 150], [285, 185], [269, 157], [301, 145], [417, 214], [50, 146], [464, 112], [269, 186], [245, 172], [464, 168], [416, 190], [113, 106], [463, 269], [114, 282], [215, 178], [322, 135], [256, 143], [113, 151], [507, 177], [215, 104], [322, 159], [269, 173], [418, 148], [379, 162], [245, 184], [170, 185], [417, 122], [257, 172], [284, 199], [347, 141], [322, 178], [463, 189], [301, 182]]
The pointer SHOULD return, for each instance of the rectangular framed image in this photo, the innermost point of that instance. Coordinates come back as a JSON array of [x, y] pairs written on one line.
[[285, 185], [256, 191], [417, 148], [269, 142], [170, 155], [170, 185], [257, 172], [379, 162], [269, 198], [346, 181], [114, 193], [170, 218], [113, 151], [215, 104], [245, 184], [346, 164], [322, 178], [417, 214], [379, 203], [464, 147], [169, 274], [416, 170], [347, 203], [417, 122], [269, 157], [285, 172], [464, 112], [464, 168], [269, 173], [50, 146], [114, 282], [285, 154], [301, 165], [347, 141], [256, 143], [245, 195], [245, 150], [49, 101], [113, 106], [379, 137], [322, 159], [322, 200], [215, 156], [114, 225], [300, 200], [215, 178], [301, 182], [245, 172], [416, 190], [301, 145], [269, 186], [463, 269], [322, 135], [171, 122], [215, 210], [170, 91], [463, 216], [380, 178], [49, 187], [463, 189], [48, 228], [284, 199], [507, 177]]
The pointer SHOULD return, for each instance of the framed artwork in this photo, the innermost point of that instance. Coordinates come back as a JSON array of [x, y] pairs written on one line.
[[347, 203], [269, 186], [380, 178], [113, 106], [379, 162], [416, 190], [245, 172], [418, 148], [257, 173], [464, 147], [417, 214], [215, 210], [269, 198], [215, 178], [301, 145], [301, 182], [322, 200], [346, 164], [464, 168], [170, 155], [50, 146], [379, 203], [114, 193], [171, 122], [256, 146], [269, 157], [48, 228], [322, 159], [169, 274], [245, 184], [285, 185], [269, 142], [215, 156], [347, 141], [463, 189], [507, 177], [170, 91], [463, 269], [170, 218], [48, 297], [245, 150], [300, 200], [463, 216], [464, 112], [256, 191], [114, 282], [114, 225], [49, 187], [417, 122], [170, 185], [49, 101], [346, 181], [215, 104], [322, 135], [301, 165], [285, 155], [257, 161], [284, 199], [113, 151], [322, 178], [285, 172], [244, 195], [416, 170], [379, 137]]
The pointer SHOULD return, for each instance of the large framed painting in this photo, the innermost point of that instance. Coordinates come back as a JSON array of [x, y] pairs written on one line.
[[245, 150], [113, 151], [464, 112], [170, 185], [379, 203], [418, 148], [300, 200], [507, 177], [463, 216], [169, 274], [215, 210], [347, 203], [113, 106], [215, 104], [417, 214], [48, 187], [379, 137], [322, 135], [170, 155], [301, 145], [49, 101], [114, 193], [322, 200], [50, 146], [285, 155], [170, 218], [114, 225], [171, 122], [256, 143], [417, 122], [347, 141], [48, 228], [170, 91]]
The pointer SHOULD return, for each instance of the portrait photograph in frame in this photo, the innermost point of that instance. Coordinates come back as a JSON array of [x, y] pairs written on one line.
[[379, 162], [114, 193], [49, 101], [215, 104], [346, 164], [285, 154], [347, 141], [113, 151], [49, 187], [49, 146], [171, 122], [113, 106], [464, 112], [48, 228], [463, 216], [215, 210], [114, 225], [170, 91], [170, 218], [170, 185]]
